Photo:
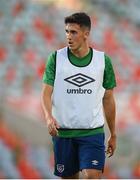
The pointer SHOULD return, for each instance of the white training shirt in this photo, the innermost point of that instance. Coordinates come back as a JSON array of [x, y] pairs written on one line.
[[78, 92]]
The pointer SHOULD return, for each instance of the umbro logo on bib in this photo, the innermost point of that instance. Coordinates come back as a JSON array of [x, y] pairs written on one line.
[[79, 80]]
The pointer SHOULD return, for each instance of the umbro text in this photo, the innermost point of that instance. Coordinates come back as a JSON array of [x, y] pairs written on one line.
[[79, 91]]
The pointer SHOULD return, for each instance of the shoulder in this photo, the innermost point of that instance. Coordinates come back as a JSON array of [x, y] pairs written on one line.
[[62, 50], [107, 58], [102, 53], [51, 58], [97, 51], [52, 55]]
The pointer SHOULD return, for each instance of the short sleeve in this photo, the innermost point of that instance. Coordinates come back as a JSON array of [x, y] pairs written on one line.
[[49, 73], [109, 80]]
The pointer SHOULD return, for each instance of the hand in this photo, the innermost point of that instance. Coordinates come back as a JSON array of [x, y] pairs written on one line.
[[111, 145], [52, 126]]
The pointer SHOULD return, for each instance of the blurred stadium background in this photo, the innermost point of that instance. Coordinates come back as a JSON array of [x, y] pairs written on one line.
[[29, 31]]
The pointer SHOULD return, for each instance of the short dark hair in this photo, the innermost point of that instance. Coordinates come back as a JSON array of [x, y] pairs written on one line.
[[80, 18]]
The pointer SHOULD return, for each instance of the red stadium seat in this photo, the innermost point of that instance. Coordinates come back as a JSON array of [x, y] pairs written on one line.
[[3, 54], [18, 7], [38, 24], [30, 57], [110, 43], [2, 176], [136, 170], [19, 37], [26, 170], [9, 138], [48, 33], [10, 74], [40, 69]]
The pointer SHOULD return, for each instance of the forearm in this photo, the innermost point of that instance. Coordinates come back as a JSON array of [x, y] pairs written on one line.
[[110, 113], [46, 102], [46, 105]]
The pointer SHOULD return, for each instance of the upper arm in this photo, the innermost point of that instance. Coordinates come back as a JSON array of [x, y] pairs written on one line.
[[109, 80], [49, 73]]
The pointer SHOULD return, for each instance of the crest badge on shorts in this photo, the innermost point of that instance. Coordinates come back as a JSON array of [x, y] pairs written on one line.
[[60, 168]]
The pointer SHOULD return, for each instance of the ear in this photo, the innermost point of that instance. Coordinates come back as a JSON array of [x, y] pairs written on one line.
[[86, 34]]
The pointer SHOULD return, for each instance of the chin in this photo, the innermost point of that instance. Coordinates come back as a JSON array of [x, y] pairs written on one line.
[[72, 48]]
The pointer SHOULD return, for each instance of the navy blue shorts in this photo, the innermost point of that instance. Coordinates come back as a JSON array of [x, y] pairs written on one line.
[[74, 154]]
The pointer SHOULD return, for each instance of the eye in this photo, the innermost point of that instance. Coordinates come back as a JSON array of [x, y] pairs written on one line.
[[66, 31], [74, 32]]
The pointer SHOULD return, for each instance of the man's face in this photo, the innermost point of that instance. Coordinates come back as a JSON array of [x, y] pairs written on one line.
[[76, 36]]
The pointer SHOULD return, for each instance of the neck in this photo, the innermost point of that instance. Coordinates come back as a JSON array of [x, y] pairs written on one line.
[[82, 51]]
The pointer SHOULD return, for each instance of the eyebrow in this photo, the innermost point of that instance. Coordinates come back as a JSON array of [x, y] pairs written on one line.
[[72, 31]]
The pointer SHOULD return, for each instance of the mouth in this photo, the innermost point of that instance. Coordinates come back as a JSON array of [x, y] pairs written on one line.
[[70, 43]]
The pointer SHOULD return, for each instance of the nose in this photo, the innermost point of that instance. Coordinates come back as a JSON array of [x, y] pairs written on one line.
[[69, 38], [68, 35]]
